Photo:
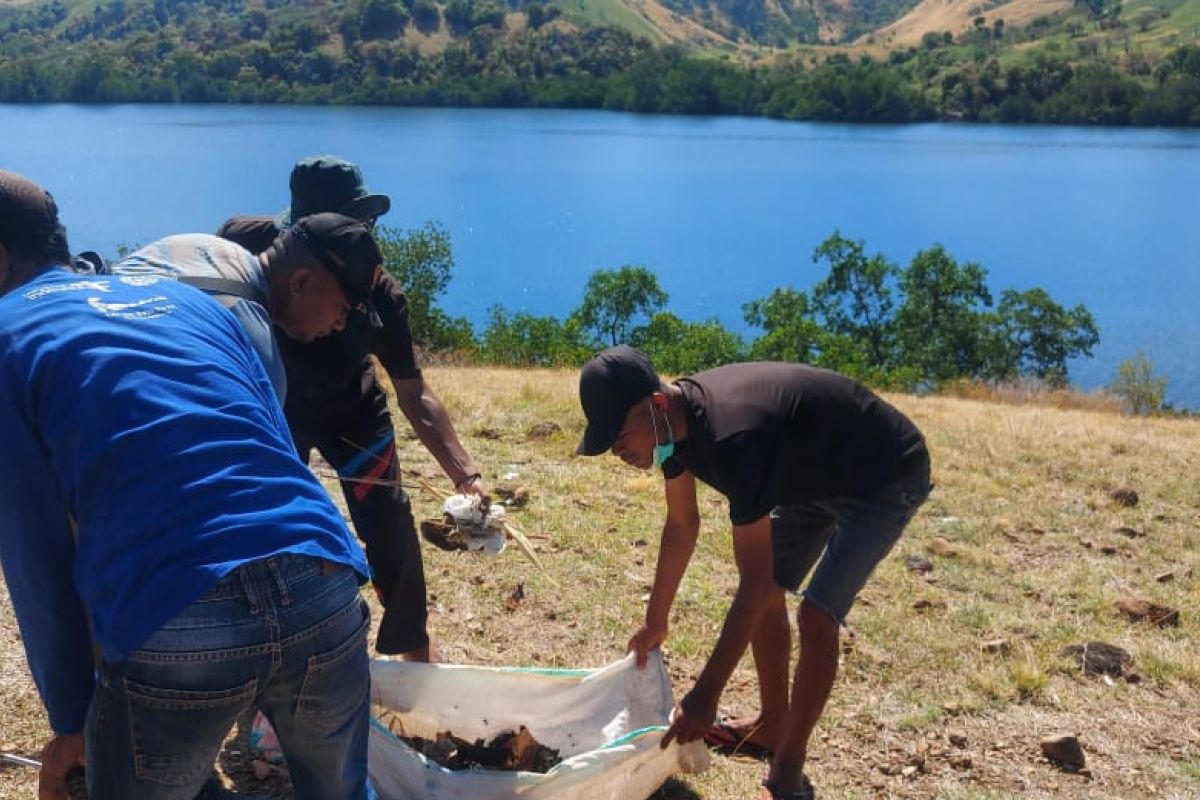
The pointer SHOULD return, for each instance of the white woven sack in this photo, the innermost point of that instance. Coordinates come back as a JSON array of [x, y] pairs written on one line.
[[606, 724]]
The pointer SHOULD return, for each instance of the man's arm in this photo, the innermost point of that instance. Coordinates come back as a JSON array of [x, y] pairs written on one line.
[[429, 419], [679, 534], [698, 708]]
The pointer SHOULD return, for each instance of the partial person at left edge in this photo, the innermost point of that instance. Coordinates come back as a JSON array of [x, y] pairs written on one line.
[[172, 525]]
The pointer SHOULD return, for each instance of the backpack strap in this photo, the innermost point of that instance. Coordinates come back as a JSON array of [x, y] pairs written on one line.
[[227, 287]]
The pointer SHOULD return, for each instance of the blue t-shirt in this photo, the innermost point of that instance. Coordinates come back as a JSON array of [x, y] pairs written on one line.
[[136, 408], [200, 255]]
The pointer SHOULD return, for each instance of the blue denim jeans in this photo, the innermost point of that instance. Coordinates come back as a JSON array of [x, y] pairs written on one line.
[[850, 535], [285, 634]]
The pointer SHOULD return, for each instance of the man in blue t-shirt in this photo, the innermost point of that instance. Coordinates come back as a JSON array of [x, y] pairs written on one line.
[[152, 503]]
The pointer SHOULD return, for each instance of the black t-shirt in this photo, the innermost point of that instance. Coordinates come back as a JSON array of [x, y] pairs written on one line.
[[769, 434], [329, 377]]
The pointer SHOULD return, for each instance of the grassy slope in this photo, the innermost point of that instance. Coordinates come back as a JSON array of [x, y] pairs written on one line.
[[1023, 495]]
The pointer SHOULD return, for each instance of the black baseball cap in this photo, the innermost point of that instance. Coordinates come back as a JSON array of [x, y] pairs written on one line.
[[329, 183], [28, 214], [347, 249], [611, 383]]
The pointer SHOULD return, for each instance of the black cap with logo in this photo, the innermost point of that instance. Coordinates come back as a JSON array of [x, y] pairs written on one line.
[[329, 183], [348, 250], [611, 383]]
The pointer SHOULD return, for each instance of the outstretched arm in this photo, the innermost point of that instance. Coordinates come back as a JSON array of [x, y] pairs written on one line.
[[698, 708], [432, 425], [679, 534]]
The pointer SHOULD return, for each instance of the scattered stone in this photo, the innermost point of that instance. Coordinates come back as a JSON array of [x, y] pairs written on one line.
[[639, 542], [1132, 533], [1108, 549], [940, 546], [513, 496], [543, 430], [924, 603], [1165, 577], [515, 597], [1099, 658], [918, 563], [957, 738], [1000, 646], [1064, 749], [908, 771], [1124, 497], [262, 769], [960, 761], [488, 433], [1138, 609]]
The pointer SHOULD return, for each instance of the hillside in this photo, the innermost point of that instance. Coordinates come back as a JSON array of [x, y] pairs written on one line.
[[949, 676]]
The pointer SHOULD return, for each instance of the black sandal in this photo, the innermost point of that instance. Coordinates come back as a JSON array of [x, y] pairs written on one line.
[[805, 792]]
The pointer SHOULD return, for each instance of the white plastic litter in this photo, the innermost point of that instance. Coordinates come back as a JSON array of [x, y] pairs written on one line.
[[482, 532], [606, 724]]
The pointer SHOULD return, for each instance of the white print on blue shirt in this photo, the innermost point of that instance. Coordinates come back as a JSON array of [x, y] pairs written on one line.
[[135, 310], [74, 286]]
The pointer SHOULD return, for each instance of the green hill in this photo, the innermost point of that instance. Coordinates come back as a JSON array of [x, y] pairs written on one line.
[[1073, 61]]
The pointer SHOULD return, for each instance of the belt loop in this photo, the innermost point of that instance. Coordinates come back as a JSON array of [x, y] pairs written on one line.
[[273, 564], [248, 586]]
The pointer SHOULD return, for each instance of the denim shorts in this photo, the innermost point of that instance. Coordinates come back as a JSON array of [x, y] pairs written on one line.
[[849, 536]]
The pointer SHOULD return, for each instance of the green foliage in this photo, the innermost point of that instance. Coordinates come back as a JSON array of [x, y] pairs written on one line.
[[855, 299], [1037, 336], [422, 260], [790, 331], [1141, 391], [525, 340], [185, 51], [614, 300], [941, 326], [678, 347]]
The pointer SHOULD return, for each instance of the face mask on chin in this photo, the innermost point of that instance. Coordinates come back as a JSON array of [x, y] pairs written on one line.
[[662, 451]]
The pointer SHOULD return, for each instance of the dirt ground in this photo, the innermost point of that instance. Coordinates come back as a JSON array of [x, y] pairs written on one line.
[[951, 675]]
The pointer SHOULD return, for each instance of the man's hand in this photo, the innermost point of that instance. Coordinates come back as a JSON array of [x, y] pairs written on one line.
[[474, 485], [646, 639], [694, 716], [61, 754]]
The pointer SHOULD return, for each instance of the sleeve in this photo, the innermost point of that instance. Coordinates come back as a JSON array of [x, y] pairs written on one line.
[[253, 233], [37, 552], [393, 344]]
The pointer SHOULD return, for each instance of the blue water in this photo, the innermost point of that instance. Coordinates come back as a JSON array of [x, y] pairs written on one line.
[[723, 210]]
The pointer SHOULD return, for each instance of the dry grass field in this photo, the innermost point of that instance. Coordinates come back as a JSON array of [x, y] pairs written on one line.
[[950, 677]]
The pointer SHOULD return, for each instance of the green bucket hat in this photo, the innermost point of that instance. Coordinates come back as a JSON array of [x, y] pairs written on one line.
[[329, 183]]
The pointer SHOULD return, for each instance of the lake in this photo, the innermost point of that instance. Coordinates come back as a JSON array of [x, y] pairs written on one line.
[[723, 210]]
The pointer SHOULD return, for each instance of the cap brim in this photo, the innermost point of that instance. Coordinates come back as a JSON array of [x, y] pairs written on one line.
[[596, 441], [369, 207]]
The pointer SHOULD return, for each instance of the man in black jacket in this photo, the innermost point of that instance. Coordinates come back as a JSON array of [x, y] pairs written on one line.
[[335, 404]]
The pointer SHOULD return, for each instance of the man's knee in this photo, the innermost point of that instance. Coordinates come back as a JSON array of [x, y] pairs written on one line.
[[817, 624]]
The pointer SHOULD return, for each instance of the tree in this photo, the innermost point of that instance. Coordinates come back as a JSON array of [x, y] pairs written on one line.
[[614, 299], [855, 298], [790, 332], [941, 326], [525, 340], [682, 347], [1038, 336], [1141, 391], [422, 260]]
